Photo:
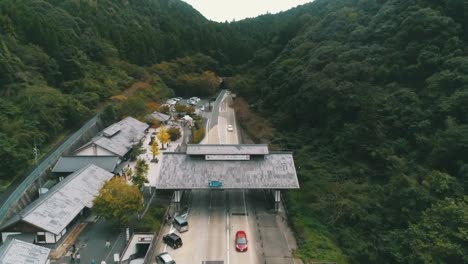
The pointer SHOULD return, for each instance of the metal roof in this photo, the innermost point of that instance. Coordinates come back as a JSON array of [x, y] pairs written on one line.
[[272, 171], [17, 251], [130, 132], [74, 163], [245, 149], [57, 208], [160, 116]]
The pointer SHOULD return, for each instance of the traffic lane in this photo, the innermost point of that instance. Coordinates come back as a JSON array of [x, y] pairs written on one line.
[[225, 136], [232, 136], [242, 218], [194, 240], [216, 234]]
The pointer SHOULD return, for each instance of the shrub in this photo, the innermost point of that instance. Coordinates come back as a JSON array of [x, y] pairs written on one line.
[[198, 135], [175, 133]]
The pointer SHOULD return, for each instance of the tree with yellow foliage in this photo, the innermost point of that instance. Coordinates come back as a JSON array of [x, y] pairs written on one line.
[[155, 149], [118, 201], [163, 136]]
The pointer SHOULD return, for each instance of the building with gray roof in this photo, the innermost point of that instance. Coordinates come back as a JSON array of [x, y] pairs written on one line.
[[163, 118], [17, 252], [116, 140], [235, 166], [51, 214], [70, 164]]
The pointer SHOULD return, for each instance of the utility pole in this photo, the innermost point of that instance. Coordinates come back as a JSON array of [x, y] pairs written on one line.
[[36, 154]]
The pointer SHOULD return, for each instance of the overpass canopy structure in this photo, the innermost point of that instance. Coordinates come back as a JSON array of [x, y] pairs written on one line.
[[245, 166]]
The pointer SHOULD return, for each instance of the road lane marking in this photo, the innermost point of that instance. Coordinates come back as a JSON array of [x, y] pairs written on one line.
[[113, 246], [227, 236]]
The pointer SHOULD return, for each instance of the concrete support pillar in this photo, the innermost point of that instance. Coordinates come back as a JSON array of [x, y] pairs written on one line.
[[177, 196], [277, 195]]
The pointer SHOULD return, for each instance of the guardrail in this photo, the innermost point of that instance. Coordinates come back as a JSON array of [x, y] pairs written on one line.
[[215, 112], [42, 167], [157, 235]]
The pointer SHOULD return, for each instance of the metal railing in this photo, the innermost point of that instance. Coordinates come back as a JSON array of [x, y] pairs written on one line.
[[42, 167], [152, 248], [215, 112]]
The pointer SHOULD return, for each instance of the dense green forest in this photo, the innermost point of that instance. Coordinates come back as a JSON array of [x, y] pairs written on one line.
[[61, 61], [371, 95]]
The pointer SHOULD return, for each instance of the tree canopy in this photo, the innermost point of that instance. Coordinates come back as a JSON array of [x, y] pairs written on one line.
[[118, 201], [370, 95]]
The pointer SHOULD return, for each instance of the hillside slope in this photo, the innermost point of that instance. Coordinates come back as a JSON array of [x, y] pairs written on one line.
[[372, 96], [61, 60]]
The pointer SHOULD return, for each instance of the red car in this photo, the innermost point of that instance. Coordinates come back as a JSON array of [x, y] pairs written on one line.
[[241, 241]]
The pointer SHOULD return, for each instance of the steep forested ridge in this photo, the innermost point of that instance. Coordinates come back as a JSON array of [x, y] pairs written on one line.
[[60, 60], [371, 95]]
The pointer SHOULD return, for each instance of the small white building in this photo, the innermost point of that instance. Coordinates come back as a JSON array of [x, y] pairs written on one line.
[[49, 217], [15, 251]]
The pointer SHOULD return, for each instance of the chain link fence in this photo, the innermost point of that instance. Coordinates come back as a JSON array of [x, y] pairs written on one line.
[[42, 168]]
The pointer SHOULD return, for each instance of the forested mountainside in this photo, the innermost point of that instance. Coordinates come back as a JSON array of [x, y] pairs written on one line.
[[61, 60], [371, 95]]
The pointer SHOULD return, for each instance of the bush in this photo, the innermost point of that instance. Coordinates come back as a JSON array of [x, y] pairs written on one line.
[[153, 122], [151, 221], [198, 135], [175, 133], [136, 151]]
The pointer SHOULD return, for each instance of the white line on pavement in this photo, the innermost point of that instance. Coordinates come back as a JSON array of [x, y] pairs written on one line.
[[110, 252], [227, 236]]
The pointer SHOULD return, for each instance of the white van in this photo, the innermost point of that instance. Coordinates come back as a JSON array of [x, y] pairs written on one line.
[[180, 224]]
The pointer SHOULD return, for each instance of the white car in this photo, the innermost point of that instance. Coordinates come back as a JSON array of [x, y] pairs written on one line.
[[230, 128], [164, 258]]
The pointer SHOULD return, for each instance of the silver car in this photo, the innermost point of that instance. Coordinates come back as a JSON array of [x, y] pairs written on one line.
[[164, 258]]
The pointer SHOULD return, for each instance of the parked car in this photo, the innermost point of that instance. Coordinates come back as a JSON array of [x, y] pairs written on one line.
[[230, 128], [164, 258], [241, 241], [173, 240]]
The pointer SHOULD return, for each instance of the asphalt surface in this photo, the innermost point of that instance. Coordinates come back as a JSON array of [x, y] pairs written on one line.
[[91, 243], [215, 216]]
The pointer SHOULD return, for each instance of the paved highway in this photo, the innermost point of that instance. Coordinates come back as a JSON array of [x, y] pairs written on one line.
[[215, 216]]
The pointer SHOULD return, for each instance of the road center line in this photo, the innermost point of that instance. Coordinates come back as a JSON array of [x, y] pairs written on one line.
[[227, 236]]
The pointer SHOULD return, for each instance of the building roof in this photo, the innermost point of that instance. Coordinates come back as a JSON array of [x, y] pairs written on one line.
[[16, 251], [245, 149], [59, 206], [74, 163], [160, 116], [119, 138], [272, 171]]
